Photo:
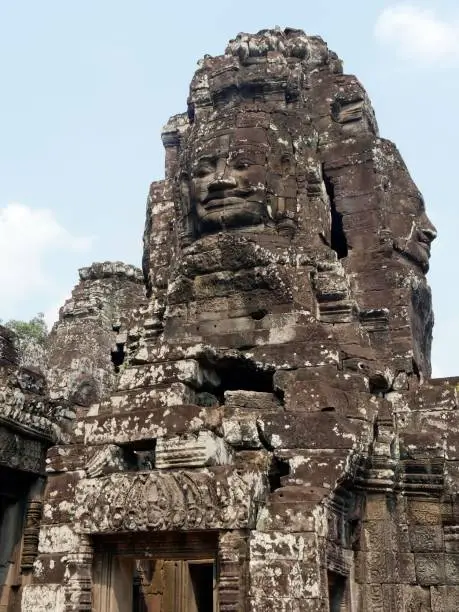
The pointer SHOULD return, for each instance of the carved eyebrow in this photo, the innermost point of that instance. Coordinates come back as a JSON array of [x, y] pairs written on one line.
[[235, 154], [242, 155], [205, 158]]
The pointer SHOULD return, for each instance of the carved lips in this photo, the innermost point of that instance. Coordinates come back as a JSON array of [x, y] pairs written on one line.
[[228, 192], [418, 248], [222, 199]]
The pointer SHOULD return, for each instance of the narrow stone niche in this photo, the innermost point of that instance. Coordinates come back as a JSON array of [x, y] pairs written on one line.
[[338, 236]]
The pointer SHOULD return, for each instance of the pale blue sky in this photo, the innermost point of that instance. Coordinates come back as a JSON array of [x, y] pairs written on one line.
[[87, 86]]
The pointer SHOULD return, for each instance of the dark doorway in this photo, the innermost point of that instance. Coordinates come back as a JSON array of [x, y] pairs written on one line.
[[173, 586], [337, 592], [156, 572], [202, 577]]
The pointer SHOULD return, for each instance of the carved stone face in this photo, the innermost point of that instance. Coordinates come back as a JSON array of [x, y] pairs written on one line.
[[416, 233], [227, 180]]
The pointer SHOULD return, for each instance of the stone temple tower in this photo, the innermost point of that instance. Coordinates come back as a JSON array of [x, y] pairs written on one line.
[[250, 424]]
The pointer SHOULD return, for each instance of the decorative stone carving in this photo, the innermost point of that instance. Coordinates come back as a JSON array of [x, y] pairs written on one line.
[[78, 577], [32, 528], [199, 450], [241, 432], [24, 406], [217, 499], [21, 453], [232, 556], [43, 598], [110, 458]]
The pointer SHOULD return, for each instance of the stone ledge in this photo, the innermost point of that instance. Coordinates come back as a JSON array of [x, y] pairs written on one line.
[[147, 424], [109, 269]]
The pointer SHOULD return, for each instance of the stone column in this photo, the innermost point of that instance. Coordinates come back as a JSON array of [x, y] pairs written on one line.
[[78, 577], [32, 526], [232, 557]]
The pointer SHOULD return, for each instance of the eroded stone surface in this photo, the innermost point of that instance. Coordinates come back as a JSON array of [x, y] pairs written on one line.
[[208, 499], [195, 450], [267, 376]]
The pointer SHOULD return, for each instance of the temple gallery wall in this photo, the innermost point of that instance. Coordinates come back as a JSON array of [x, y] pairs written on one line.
[[248, 423]]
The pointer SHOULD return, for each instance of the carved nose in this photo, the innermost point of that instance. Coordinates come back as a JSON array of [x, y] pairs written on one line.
[[429, 231], [220, 184], [425, 229]]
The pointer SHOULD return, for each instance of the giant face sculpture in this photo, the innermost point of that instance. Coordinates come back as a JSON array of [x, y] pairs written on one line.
[[278, 144], [415, 233], [239, 177], [227, 182], [404, 210]]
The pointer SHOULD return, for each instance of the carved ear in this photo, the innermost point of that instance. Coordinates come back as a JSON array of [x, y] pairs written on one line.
[[286, 226], [186, 219], [85, 393]]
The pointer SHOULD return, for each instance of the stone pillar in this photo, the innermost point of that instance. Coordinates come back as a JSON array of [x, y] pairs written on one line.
[[232, 557], [32, 526], [78, 577]]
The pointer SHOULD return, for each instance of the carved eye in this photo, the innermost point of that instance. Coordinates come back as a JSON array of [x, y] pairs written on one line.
[[285, 160], [421, 204], [242, 164], [203, 169]]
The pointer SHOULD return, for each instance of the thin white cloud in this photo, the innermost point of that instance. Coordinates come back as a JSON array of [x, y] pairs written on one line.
[[52, 313], [418, 33], [27, 238]]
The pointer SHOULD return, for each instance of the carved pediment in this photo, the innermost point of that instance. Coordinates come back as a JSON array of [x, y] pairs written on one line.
[[21, 453], [219, 498]]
